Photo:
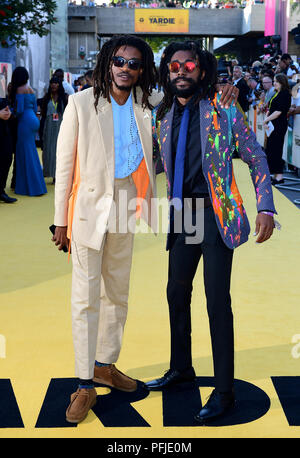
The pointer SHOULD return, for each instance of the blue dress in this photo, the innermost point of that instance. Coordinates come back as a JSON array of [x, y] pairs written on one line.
[[29, 174]]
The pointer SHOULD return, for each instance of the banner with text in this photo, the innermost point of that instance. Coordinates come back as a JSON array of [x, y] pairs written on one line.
[[161, 21]]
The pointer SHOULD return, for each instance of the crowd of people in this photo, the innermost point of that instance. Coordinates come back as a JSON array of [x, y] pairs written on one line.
[[170, 3], [265, 85], [270, 87], [26, 123]]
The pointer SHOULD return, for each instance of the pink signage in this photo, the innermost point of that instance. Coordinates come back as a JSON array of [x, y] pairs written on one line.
[[270, 9]]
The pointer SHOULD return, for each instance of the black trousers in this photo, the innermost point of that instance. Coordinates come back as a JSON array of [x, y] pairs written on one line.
[[6, 155], [217, 263]]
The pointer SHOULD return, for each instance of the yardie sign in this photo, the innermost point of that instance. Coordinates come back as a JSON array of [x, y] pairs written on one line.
[[161, 21], [117, 409]]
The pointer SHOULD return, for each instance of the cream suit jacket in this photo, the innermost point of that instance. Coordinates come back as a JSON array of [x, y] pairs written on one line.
[[90, 135]]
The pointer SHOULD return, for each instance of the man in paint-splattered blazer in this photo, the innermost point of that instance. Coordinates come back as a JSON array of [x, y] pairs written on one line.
[[197, 136], [221, 129]]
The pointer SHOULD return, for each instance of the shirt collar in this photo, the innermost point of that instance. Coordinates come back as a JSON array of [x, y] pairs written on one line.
[[191, 103]]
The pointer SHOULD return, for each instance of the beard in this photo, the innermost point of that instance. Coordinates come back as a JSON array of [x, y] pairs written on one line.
[[123, 88], [194, 87]]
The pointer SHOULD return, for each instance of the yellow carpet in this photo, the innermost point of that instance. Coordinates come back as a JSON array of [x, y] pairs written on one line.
[[35, 325]]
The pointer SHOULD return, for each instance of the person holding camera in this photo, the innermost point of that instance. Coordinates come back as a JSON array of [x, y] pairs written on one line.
[[287, 66], [255, 92]]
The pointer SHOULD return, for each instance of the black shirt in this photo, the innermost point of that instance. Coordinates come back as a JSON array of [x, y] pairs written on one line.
[[194, 184], [282, 102]]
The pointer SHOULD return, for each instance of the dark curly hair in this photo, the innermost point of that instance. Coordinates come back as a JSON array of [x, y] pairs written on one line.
[[283, 80], [19, 78], [102, 74], [62, 98], [207, 62]]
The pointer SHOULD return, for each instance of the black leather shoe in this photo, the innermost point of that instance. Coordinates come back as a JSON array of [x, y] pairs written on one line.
[[217, 405], [171, 377], [8, 200]]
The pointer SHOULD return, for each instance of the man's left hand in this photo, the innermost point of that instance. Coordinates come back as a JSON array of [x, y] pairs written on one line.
[[229, 95], [264, 227]]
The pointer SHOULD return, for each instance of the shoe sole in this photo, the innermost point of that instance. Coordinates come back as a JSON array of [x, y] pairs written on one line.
[[82, 418], [97, 380]]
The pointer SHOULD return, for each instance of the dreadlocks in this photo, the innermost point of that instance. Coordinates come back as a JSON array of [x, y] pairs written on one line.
[[207, 62], [102, 74]]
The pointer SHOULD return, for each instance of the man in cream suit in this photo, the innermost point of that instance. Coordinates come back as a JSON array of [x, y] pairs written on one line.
[[104, 153]]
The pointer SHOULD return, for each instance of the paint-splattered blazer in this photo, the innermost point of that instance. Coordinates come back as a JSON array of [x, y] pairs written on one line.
[[221, 132]]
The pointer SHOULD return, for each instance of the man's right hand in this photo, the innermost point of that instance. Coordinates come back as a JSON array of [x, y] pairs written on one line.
[[229, 94], [60, 237], [5, 113]]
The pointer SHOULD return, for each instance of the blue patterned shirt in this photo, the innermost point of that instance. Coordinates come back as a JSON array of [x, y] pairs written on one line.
[[128, 148]]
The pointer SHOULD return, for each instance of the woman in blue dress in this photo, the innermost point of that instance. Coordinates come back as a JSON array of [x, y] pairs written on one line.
[[29, 174]]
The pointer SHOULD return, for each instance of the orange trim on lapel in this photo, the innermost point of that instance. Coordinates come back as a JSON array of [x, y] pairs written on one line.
[[215, 117], [72, 202], [141, 180]]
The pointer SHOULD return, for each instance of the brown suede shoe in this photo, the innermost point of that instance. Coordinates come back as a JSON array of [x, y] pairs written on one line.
[[81, 402], [111, 376]]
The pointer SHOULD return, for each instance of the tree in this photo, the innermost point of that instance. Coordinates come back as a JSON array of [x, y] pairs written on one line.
[[295, 5], [18, 17]]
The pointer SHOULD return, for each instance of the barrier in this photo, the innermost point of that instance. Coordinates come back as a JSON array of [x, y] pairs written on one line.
[[291, 147]]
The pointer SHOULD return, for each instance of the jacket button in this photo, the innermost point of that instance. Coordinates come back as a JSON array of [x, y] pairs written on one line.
[[91, 189]]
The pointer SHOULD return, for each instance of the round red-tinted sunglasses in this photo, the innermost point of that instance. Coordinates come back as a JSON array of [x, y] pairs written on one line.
[[188, 66]]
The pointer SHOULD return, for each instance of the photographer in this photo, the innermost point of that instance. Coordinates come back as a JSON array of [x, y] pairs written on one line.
[[287, 66], [269, 92], [241, 84], [255, 92]]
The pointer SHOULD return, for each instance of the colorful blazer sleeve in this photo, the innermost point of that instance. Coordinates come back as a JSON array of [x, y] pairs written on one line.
[[251, 152]]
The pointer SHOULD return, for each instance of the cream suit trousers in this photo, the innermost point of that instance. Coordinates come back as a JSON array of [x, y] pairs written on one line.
[[100, 286]]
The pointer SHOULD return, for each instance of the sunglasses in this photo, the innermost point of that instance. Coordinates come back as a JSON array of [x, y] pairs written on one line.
[[188, 66], [133, 64]]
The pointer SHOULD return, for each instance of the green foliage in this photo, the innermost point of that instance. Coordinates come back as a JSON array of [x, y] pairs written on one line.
[[158, 43], [295, 5], [19, 16]]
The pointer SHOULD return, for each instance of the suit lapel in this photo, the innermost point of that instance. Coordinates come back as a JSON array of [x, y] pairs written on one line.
[[166, 141], [206, 117], [144, 126], [106, 124]]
